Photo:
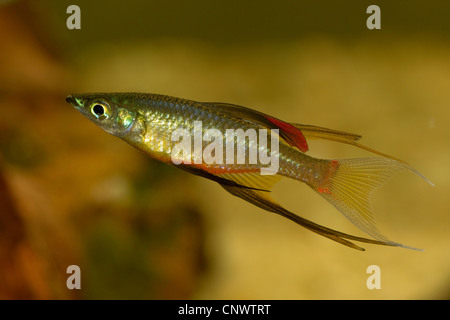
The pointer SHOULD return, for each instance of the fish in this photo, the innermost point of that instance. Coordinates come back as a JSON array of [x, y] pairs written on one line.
[[149, 122]]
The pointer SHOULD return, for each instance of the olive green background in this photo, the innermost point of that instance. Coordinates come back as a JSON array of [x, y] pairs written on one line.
[[72, 194]]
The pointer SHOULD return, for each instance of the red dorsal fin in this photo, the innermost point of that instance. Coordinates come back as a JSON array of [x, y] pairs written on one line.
[[290, 133]]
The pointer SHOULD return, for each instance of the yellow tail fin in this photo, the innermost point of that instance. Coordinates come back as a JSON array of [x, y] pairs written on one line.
[[349, 185]]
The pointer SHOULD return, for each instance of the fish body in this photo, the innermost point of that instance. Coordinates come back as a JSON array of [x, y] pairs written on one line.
[[212, 136]]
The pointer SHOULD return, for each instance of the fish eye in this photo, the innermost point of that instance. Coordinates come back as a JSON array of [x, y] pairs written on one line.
[[100, 110]]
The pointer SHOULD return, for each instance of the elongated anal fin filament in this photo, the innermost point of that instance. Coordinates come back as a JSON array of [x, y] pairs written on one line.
[[264, 201]]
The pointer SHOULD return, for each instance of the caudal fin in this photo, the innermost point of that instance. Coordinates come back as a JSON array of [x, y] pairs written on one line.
[[349, 183]]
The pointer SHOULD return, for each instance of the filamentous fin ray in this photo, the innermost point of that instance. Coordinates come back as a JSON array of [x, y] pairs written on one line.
[[263, 201], [315, 132]]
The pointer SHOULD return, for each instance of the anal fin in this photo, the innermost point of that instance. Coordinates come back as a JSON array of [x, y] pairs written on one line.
[[264, 201]]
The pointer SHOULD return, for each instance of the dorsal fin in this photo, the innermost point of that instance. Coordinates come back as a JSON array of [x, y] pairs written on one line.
[[315, 132], [289, 132]]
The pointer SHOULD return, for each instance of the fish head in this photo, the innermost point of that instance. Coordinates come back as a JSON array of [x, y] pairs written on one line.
[[111, 112]]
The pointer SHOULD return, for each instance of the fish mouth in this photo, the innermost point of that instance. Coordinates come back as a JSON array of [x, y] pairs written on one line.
[[70, 99], [76, 102]]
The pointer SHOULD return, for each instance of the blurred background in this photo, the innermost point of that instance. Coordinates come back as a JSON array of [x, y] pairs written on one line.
[[70, 194]]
